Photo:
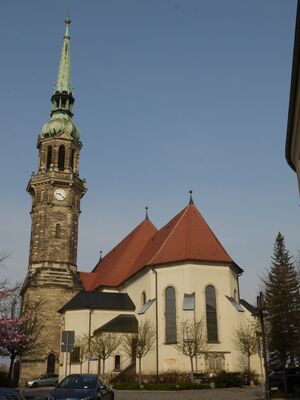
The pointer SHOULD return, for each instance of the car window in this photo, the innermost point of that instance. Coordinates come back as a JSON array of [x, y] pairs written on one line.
[[79, 381]]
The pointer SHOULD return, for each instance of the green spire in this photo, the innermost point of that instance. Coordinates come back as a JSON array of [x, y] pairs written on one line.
[[63, 83]]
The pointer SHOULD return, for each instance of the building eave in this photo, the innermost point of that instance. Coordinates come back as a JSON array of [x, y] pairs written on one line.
[[292, 124]]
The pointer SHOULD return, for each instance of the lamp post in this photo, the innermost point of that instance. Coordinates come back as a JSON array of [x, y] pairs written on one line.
[[261, 307]]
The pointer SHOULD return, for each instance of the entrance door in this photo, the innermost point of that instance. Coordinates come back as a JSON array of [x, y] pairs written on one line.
[[51, 363]]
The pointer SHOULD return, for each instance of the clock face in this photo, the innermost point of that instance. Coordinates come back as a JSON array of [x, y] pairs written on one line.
[[60, 194]]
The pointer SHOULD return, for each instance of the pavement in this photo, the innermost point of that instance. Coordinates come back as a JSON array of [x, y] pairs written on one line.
[[247, 393], [244, 393]]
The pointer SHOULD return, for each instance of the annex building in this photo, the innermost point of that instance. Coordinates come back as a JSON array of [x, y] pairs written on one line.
[[167, 275]]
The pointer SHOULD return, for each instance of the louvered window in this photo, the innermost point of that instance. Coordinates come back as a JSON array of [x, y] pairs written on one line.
[[211, 314], [49, 157], [61, 158], [170, 313]]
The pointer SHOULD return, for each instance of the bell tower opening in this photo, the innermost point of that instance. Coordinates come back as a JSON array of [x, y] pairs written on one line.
[[61, 157]]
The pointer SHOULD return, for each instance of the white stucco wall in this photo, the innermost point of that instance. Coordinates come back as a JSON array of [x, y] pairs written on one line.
[[185, 278]]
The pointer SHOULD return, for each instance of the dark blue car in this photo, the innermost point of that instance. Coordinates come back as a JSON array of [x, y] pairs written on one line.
[[81, 387]]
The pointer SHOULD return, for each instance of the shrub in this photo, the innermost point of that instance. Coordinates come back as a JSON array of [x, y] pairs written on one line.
[[228, 379], [159, 386]]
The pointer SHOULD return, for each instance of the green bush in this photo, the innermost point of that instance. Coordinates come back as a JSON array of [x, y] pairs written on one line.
[[160, 386], [228, 379]]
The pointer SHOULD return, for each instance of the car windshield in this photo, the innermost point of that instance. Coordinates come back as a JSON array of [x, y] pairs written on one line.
[[79, 382]]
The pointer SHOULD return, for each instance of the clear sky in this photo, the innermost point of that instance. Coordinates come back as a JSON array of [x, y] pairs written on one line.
[[171, 95]]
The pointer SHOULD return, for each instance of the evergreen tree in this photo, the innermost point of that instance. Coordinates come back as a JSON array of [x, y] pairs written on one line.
[[282, 292]]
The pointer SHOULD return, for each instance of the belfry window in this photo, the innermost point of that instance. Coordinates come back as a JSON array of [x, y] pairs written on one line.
[[61, 158], [49, 157], [170, 313], [72, 160], [58, 231], [211, 314]]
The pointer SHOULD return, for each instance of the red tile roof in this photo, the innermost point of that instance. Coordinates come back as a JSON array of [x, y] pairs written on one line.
[[119, 263], [186, 237]]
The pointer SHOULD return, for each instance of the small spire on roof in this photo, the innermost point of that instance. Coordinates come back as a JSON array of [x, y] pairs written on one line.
[[191, 197], [100, 255], [146, 216]]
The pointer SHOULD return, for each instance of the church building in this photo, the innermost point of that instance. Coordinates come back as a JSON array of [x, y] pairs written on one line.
[[166, 276]]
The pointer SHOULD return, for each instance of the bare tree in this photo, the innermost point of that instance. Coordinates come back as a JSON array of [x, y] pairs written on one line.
[[139, 344], [3, 256], [191, 340], [82, 342], [103, 345], [245, 340]]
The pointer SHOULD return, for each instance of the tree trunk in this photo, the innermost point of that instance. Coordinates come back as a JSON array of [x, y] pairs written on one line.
[[249, 370], [140, 371], [99, 365], [192, 369], [81, 367], [103, 369], [11, 368]]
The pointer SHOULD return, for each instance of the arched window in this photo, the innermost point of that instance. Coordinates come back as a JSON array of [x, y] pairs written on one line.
[[143, 298], [170, 312], [211, 314], [49, 157], [72, 159], [57, 231], [61, 158], [51, 363], [117, 363]]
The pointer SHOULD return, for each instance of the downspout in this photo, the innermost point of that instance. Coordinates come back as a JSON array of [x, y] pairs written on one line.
[[156, 322], [89, 342]]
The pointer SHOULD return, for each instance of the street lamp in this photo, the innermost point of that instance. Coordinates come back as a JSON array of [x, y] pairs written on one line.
[[261, 308]]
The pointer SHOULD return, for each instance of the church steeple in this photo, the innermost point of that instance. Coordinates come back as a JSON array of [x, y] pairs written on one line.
[[62, 99]]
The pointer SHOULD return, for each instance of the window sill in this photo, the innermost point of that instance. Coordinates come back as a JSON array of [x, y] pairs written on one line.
[[213, 342], [170, 343]]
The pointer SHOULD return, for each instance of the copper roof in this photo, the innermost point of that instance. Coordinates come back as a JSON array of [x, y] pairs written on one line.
[[186, 237]]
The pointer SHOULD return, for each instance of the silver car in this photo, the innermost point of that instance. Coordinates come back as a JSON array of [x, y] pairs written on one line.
[[44, 380]]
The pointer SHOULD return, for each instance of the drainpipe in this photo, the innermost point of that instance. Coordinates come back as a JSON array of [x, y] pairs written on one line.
[[89, 343], [156, 322]]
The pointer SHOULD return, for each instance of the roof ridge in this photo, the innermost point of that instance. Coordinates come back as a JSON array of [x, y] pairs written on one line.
[[168, 236]]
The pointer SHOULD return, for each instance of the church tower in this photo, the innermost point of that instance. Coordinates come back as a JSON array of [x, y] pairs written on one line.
[[56, 190]]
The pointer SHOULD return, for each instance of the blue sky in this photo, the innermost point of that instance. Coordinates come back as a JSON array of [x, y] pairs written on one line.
[[170, 95]]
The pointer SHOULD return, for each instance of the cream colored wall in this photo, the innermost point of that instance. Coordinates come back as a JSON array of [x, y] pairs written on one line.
[[185, 278], [78, 320]]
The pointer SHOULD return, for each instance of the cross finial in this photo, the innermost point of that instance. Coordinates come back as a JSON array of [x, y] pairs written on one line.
[[100, 255], [191, 197], [147, 216]]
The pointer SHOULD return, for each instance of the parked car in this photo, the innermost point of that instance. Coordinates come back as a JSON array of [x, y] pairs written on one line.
[[10, 394], [81, 386], [44, 380], [285, 377]]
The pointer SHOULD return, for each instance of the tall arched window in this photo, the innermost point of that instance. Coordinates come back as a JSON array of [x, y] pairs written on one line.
[[49, 157], [170, 312], [143, 298], [117, 363], [57, 231], [51, 363], [61, 158], [211, 314]]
